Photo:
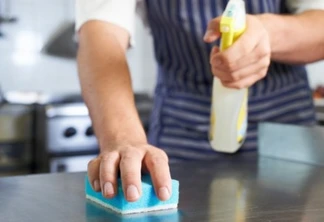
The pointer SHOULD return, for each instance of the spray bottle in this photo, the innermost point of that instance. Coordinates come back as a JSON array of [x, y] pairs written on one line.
[[228, 121]]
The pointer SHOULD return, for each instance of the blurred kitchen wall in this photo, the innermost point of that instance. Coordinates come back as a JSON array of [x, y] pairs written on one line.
[[316, 74], [24, 67]]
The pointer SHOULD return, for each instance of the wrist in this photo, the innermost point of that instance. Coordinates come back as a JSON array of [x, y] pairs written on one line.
[[279, 32], [268, 21], [126, 136]]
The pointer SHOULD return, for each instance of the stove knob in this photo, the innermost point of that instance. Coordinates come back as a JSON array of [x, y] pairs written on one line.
[[69, 132], [89, 131]]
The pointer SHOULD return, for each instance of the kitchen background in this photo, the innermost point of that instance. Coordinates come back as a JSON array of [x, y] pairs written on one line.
[[44, 126]]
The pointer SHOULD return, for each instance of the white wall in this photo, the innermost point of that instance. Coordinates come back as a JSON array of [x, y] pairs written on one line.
[[141, 60], [316, 74], [22, 65]]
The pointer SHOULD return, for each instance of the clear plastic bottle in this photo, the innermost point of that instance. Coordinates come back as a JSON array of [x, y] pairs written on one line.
[[229, 106]]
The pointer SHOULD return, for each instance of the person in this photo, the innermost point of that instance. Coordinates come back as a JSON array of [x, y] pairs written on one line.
[[269, 58]]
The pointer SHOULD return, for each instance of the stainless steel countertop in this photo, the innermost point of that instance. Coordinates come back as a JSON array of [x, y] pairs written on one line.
[[234, 189]]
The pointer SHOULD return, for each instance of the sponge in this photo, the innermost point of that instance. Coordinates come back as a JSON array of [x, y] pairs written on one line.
[[95, 213], [147, 202]]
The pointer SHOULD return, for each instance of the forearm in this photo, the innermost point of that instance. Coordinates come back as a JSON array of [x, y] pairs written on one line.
[[106, 87], [296, 38]]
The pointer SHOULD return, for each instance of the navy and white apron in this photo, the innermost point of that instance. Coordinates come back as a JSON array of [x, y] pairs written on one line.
[[180, 119]]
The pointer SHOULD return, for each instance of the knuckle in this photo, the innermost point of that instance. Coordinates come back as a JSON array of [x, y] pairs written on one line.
[[164, 156], [158, 158], [238, 86], [156, 161], [91, 162], [105, 157], [235, 76], [230, 66], [130, 154], [223, 59], [262, 74], [266, 62], [130, 175], [265, 51], [106, 175], [109, 156], [225, 84]]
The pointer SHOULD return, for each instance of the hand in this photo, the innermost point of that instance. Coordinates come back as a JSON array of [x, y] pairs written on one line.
[[247, 60], [130, 160]]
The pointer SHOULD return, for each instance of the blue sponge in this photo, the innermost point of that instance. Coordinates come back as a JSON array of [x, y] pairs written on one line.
[[147, 202]]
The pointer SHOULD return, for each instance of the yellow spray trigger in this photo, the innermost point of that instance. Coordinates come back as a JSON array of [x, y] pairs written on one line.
[[229, 27], [227, 30]]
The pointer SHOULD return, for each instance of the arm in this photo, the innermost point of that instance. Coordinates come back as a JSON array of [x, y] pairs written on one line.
[[106, 88], [285, 38], [106, 84], [296, 38]]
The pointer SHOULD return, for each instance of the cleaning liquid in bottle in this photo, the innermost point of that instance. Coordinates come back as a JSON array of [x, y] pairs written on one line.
[[228, 121]]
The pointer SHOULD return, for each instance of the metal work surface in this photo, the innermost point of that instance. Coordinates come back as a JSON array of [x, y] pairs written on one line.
[[234, 189], [291, 142]]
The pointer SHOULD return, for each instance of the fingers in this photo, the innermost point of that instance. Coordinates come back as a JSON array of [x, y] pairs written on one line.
[[213, 32], [108, 173], [213, 52], [93, 174], [245, 61], [251, 69], [130, 168], [157, 163], [103, 172], [228, 60], [247, 81], [242, 47], [247, 42]]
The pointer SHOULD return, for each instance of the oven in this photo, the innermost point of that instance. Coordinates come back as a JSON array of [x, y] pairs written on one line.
[[64, 137], [65, 140]]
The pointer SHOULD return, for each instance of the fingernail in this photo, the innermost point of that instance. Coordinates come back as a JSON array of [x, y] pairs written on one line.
[[208, 33], [132, 192], [108, 189], [164, 193], [96, 185]]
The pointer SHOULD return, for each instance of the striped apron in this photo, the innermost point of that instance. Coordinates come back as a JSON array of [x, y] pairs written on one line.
[[180, 118]]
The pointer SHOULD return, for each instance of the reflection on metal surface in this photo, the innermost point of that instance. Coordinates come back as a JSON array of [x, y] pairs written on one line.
[[230, 193], [270, 190], [295, 187], [97, 213], [289, 178]]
